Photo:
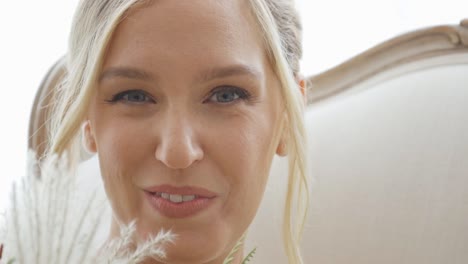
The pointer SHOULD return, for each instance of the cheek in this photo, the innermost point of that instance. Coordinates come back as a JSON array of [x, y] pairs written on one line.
[[244, 147], [119, 157], [122, 142]]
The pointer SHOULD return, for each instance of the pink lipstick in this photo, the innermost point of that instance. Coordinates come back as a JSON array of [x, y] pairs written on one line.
[[179, 202]]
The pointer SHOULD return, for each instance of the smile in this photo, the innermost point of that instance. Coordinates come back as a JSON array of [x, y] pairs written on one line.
[[179, 202], [175, 198]]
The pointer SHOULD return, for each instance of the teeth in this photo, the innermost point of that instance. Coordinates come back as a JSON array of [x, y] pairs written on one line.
[[177, 198], [187, 198]]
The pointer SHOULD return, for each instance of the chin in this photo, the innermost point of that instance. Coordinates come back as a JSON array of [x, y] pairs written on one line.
[[198, 250]]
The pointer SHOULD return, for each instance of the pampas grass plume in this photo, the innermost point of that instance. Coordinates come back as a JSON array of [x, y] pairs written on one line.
[[49, 222]]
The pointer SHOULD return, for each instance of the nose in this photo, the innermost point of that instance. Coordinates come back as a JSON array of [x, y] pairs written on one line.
[[178, 147]]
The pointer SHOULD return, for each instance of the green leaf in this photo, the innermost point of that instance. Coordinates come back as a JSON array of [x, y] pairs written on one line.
[[11, 261], [249, 256], [230, 257]]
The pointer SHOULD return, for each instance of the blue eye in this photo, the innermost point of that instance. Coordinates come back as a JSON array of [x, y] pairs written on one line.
[[228, 94], [132, 97]]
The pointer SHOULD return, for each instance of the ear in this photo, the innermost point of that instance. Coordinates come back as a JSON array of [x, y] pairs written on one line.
[[282, 148], [303, 86], [88, 139]]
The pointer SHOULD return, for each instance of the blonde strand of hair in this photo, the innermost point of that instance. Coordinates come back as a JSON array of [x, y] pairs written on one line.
[[283, 57]]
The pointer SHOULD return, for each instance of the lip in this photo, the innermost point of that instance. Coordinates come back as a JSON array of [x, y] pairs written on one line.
[[204, 199], [183, 190]]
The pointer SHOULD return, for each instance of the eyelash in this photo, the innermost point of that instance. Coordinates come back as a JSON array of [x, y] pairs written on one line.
[[120, 97], [241, 95]]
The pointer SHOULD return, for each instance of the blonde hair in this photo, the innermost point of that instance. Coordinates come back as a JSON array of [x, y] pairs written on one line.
[[281, 29], [278, 22]]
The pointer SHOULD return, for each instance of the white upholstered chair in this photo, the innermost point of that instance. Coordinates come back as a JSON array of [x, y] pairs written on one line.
[[389, 157], [388, 160]]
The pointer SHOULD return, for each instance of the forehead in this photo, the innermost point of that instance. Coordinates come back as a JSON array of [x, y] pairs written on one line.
[[181, 33]]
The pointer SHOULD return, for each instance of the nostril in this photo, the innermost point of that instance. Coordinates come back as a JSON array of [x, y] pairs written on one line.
[[179, 154]]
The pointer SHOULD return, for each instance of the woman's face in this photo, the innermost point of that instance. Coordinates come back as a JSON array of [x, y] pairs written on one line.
[[183, 121]]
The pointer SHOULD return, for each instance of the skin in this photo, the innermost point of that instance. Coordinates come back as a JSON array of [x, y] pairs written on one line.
[[185, 126]]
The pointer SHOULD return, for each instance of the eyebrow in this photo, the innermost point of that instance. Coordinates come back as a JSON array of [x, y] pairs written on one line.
[[211, 74], [232, 70], [125, 72]]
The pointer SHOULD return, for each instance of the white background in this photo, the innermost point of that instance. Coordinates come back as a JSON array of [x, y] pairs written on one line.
[[33, 35]]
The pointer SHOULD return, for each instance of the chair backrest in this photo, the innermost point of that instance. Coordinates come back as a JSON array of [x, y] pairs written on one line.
[[38, 133], [388, 141]]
